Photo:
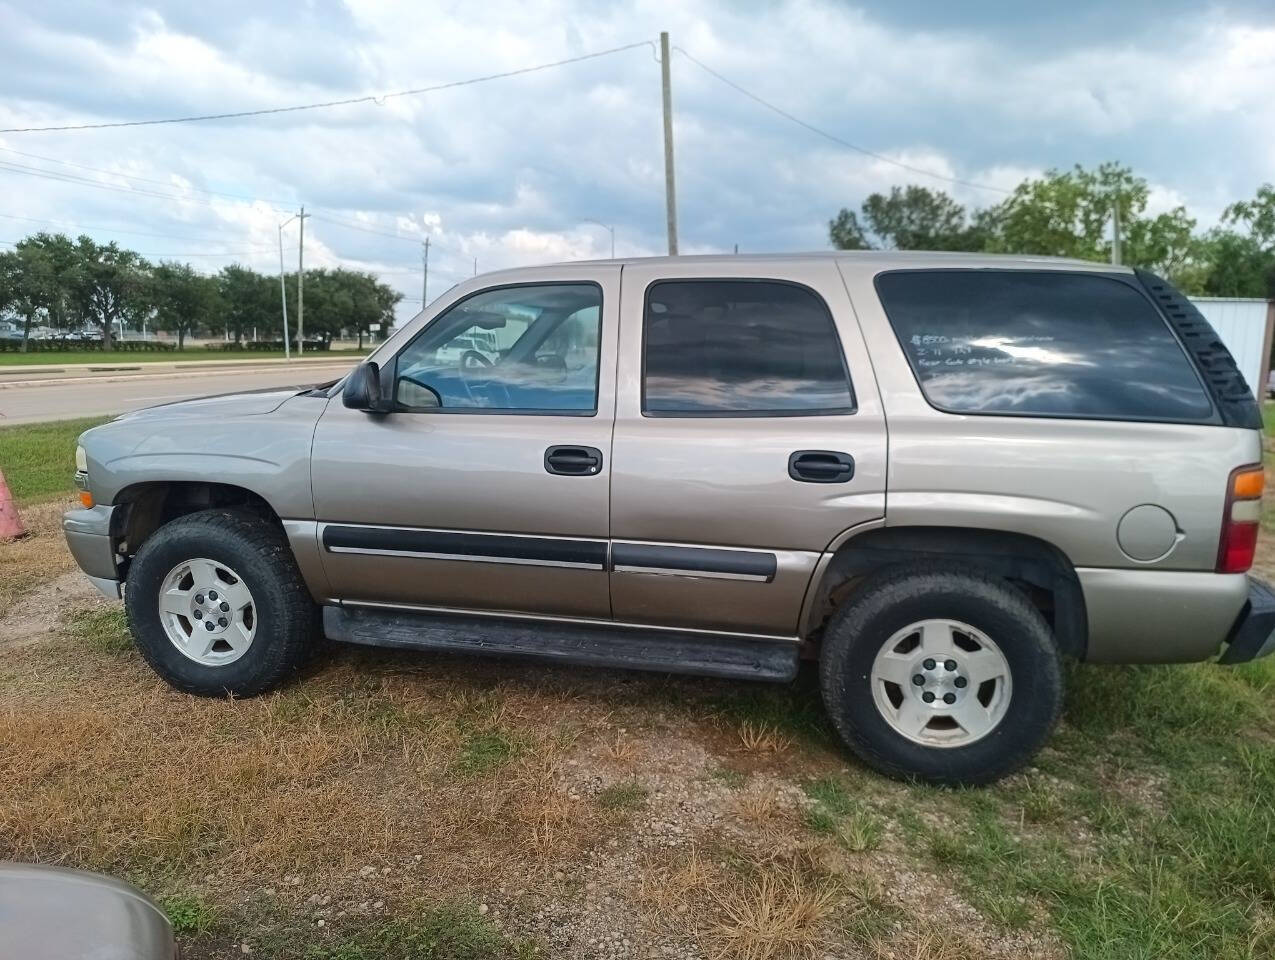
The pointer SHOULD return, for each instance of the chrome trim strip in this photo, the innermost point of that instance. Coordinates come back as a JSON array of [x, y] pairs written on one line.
[[704, 574]]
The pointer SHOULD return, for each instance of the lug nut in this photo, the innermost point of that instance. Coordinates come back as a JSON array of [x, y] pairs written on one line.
[[949, 698], [225, 607], [199, 598], [224, 622], [928, 697], [960, 681], [918, 680], [199, 614], [949, 665], [209, 624], [928, 664], [212, 594]]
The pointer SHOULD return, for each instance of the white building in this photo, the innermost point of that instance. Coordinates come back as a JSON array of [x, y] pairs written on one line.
[[1245, 326]]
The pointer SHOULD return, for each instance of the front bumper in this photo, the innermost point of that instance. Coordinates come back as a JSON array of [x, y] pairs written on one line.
[[1253, 634], [88, 534]]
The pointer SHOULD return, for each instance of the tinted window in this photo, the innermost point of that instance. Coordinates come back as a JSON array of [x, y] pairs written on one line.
[[1040, 344], [512, 348], [721, 347]]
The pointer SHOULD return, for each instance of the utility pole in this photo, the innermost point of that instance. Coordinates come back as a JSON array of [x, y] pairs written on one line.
[[301, 285], [1115, 231], [475, 266], [670, 190], [425, 274]]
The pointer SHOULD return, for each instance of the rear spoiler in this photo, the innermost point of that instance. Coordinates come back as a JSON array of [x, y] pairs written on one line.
[[1232, 396]]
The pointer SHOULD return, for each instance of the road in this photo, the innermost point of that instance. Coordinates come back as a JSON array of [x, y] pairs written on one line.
[[97, 397]]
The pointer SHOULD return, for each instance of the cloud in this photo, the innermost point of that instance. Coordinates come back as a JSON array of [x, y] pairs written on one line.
[[511, 171]]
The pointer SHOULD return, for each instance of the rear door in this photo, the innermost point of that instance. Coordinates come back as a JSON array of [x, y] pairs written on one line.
[[748, 436], [487, 489]]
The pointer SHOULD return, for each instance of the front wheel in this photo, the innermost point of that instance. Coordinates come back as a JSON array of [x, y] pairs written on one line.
[[942, 674], [217, 605]]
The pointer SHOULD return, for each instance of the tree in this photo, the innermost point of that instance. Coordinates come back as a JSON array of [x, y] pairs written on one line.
[[908, 218], [109, 286], [346, 300], [37, 273], [184, 300], [845, 232], [249, 301]]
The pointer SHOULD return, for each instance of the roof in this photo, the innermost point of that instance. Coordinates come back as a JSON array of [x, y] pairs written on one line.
[[876, 258]]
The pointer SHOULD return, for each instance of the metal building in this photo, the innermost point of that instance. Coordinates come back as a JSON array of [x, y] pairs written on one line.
[[1245, 327]]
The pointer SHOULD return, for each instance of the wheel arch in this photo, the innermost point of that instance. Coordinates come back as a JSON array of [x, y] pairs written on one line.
[[142, 508], [1040, 568]]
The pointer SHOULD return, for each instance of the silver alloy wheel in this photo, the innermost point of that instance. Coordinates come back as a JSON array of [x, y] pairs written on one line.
[[941, 683], [207, 612]]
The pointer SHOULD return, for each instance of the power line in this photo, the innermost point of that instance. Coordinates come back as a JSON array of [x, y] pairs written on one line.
[[358, 226], [370, 98], [133, 176], [831, 136], [139, 233]]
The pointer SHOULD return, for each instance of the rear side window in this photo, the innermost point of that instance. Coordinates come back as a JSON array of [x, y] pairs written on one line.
[[740, 348], [1040, 344]]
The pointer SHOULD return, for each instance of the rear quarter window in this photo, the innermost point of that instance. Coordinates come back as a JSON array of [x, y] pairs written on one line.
[[1047, 344]]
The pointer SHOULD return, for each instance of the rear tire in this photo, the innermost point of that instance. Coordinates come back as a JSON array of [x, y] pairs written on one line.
[[217, 605], [942, 674]]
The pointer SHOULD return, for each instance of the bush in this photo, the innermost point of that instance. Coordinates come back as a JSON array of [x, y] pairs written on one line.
[[273, 345], [67, 345]]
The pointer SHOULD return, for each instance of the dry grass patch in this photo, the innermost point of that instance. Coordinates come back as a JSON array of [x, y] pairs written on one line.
[[104, 767], [39, 557], [762, 738]]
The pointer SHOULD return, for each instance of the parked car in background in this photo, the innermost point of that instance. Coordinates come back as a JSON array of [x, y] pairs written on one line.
[[935, 474], [52, 913]]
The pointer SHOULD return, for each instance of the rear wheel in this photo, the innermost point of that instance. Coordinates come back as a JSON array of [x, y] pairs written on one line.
[[941, 673], [217, 605]]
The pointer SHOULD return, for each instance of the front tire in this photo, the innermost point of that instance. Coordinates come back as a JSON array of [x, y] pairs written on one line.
[[217, 605], [942, 674]]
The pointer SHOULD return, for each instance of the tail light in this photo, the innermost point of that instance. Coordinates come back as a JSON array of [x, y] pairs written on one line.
[[1241, 519]]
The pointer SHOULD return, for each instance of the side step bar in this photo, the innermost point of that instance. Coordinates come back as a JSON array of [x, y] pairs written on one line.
[[604, 645]]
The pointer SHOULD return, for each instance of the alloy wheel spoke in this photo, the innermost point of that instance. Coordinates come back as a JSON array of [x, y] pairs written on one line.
[[204, 573], [972, 717], [912, 717], [235, 594], [175, 601], [936, 637], [894, 667], [237, 635], [983, 665]]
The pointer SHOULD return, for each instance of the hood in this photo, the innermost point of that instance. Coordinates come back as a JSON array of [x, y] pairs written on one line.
[[248, 403]]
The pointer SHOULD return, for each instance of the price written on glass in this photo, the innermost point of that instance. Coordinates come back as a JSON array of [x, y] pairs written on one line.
[[941, 350]]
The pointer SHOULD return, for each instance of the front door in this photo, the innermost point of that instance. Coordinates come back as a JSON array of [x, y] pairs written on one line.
[[749, 435], [487, 488]]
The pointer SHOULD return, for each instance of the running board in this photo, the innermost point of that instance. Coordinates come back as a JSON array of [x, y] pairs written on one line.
[[604, 645]]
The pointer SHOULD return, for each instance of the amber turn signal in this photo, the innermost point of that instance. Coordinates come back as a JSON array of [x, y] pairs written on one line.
[[86, 498], [1248, 484]]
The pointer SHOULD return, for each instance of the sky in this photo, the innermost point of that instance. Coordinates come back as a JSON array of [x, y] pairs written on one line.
[[513, 171]]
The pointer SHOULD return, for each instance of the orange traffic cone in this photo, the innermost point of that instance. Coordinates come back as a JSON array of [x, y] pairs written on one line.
[[11, 527]]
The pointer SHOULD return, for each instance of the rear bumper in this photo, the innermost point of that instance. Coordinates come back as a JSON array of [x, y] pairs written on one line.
[[88, 535], [1159, 616], [1253, 634]]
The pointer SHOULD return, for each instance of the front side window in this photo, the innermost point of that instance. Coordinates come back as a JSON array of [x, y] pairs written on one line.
[[1040, 344], [740, 348], [529, 348]]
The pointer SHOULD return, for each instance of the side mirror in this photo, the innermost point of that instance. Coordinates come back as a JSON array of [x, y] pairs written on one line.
[[362, 390]]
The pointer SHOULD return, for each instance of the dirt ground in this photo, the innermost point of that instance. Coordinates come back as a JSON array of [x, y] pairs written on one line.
[[554, 812]]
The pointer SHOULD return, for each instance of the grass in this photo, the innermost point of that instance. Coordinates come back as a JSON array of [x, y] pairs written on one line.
[[38, 460], [190, 916], [131, 358], [625, 795], [446, 932], [1143, 830]]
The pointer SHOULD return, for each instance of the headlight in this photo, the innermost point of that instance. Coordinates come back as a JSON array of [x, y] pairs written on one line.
[[81, 460]]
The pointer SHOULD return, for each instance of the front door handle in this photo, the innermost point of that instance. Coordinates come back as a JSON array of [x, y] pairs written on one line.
[[573, 461], [821, 466]]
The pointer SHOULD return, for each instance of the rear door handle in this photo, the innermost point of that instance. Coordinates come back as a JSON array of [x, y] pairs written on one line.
[[821, 466], [573, 461]]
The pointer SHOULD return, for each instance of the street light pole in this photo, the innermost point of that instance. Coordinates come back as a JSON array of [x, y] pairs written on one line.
[[283, 291], [301, 285], [608, 229]]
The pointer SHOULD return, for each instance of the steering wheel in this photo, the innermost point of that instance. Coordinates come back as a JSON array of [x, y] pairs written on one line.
[[473, 360]]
